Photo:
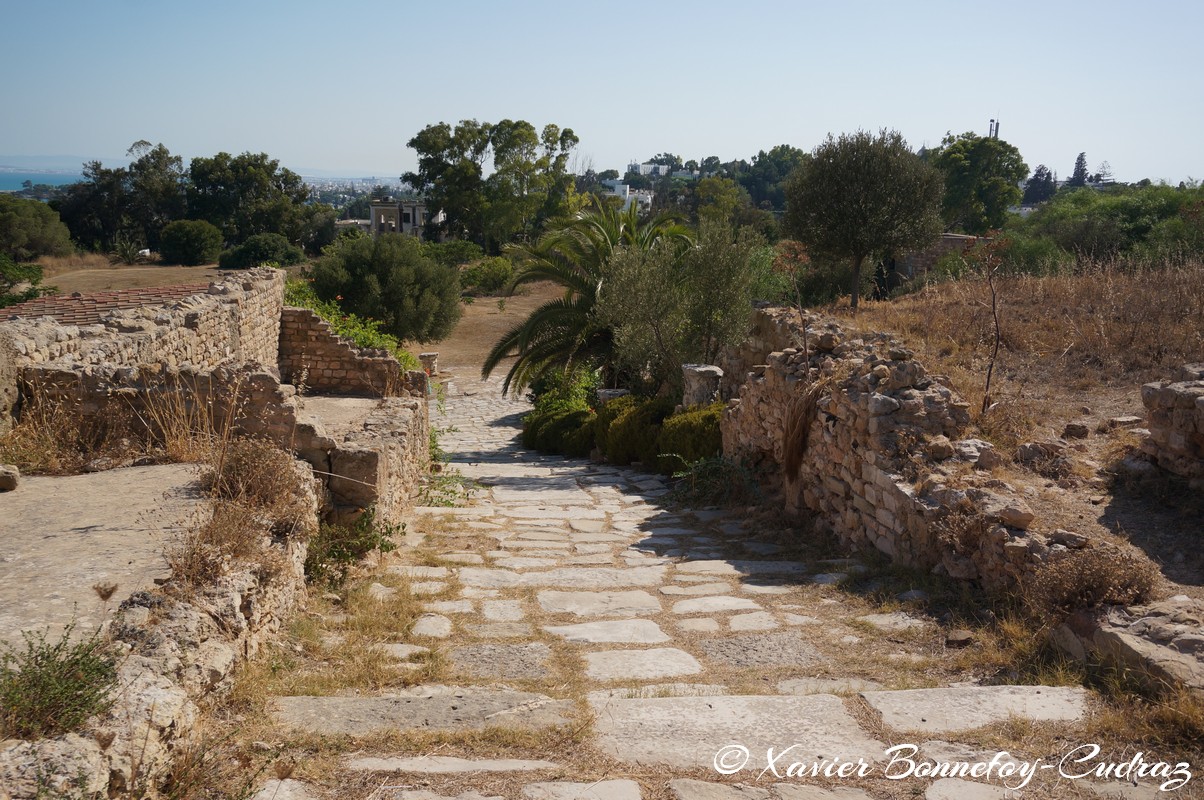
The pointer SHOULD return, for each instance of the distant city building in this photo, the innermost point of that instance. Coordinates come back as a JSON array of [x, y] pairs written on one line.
[[651, 170], [401, 216], [641, 197]]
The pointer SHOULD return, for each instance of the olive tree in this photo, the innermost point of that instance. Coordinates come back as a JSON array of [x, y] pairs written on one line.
[[862, 194]]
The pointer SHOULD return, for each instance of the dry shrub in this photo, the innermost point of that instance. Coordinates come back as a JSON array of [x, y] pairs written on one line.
[[963, 531], [1089, 578], [259, 475], [235, 532]]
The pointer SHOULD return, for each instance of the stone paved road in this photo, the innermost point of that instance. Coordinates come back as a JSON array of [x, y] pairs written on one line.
[[688, 642]]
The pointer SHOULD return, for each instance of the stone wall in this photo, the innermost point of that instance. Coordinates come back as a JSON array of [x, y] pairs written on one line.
[[236, 320], [176, 648], [855, 431], [380, 462], [313, 355], [1176, 423]]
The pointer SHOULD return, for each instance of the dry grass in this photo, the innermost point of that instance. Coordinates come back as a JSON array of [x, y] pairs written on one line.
[[51, 438], [1062, 335], [235, 532], [57, 265]]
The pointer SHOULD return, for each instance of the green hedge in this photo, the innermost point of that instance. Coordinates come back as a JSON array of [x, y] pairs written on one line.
[[633, 434], [688, 437]]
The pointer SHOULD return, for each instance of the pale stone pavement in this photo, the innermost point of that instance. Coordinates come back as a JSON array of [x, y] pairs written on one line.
[[693, 645]]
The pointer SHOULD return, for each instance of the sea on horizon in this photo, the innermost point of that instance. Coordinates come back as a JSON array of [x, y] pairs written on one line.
[[11, 181]]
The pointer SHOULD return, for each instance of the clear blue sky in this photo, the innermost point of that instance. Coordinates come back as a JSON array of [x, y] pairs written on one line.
[[343, 86]]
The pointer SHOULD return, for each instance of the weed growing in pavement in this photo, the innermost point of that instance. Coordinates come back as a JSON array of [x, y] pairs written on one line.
[[336, 548]]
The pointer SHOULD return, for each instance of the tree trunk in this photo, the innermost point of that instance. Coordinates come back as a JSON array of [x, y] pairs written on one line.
[[856, 293]]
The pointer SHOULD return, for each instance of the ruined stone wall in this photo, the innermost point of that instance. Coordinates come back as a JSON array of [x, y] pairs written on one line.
[[313, 355], [379, 464], [177, 648], [1176, 423], [857, 432], [235, 321]]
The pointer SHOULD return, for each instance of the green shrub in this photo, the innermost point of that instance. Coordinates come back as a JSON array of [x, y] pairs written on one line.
[[388, 278], [563, 419], [336, 548], [607, 414], [190, 242], [688, 437], [562, 431], [488, 275], [364, 332], [262, 248], [452, 253], [52, 688], [633, 434]]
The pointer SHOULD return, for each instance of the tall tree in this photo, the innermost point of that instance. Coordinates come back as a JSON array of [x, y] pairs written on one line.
[[1040, 187], [157, 188], [248, 194], [863, 194], [766, 176], [529, 184], [982, 180], [574, 255], [1078, 178], [97, 209], [29, 228]]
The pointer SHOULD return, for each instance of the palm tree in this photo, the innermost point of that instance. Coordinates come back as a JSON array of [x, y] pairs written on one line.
[[574, 255]]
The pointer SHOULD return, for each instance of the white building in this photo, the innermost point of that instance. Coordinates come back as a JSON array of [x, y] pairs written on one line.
[[641, 197]]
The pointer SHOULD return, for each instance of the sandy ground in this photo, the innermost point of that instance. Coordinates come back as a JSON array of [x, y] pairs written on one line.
[[101, 280]]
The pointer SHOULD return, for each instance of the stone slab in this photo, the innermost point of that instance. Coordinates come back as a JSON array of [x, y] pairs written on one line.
[[958, 789], [714, 603], [688, 732], [892, 621], [436, 765], [699, 625], [503, 661], [687, 789], [737, 568], [502, 610], [436, 626], [966, 707], [599, 604], [569, 577], [660, 662], [627, 631], [778, 649], [756, 621], [697, 589], [826, 685], [499, 630], [598, 790], [359, 716], [287, 789]]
